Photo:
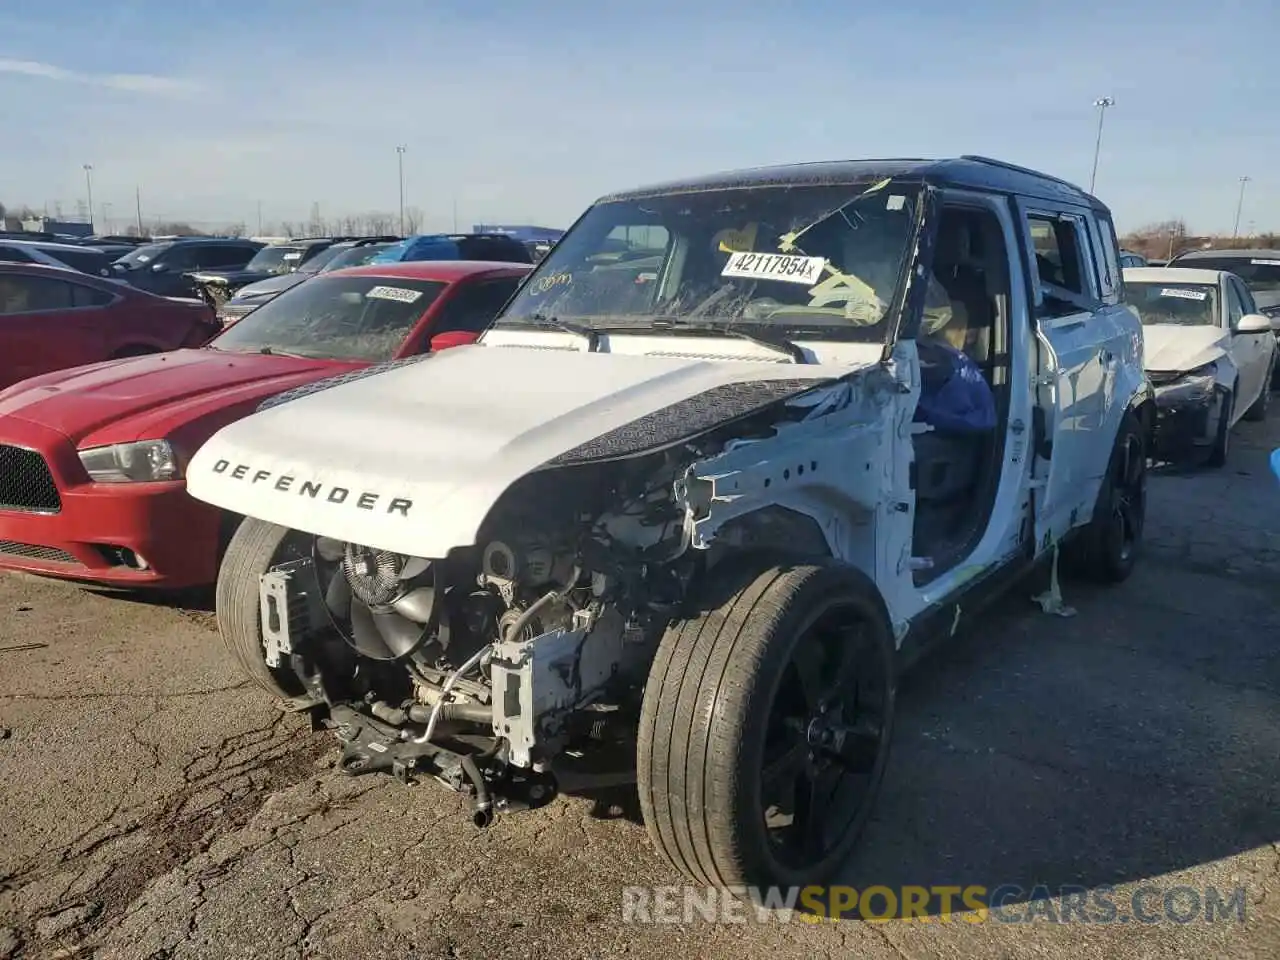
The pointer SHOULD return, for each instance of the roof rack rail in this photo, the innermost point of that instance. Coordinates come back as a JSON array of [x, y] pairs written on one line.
[[975, 158]]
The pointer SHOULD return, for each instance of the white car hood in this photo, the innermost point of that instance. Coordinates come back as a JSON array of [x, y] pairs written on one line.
[[1172, 347], [423, 451]]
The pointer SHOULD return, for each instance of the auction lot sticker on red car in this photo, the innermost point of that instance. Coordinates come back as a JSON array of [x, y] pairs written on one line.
[[774, 266], [402, 294]]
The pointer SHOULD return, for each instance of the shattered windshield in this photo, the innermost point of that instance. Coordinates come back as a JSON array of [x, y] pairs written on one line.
[[826, 261], [335, 317], [1185, 304]]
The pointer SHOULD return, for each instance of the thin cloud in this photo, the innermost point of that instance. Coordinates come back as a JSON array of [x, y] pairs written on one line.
[[133, 82]]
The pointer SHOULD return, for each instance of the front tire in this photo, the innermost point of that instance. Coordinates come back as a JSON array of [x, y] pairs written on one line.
[[254, 548], [1222, 439], [1262, 406], [765, 727]]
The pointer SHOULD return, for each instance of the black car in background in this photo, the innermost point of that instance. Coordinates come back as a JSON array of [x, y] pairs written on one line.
[[339, 256], [84, 259], [164, 267], [278, 259]]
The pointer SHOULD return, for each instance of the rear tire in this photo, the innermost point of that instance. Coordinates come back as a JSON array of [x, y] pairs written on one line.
[[1107, 549], [254, 548], [738, 705]]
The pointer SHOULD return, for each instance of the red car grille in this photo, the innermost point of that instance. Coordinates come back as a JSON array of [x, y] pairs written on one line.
[[33, 552], [26, 483]]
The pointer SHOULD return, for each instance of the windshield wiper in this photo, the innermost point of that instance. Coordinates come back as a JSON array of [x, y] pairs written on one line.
[[591, 335], [776, 343]]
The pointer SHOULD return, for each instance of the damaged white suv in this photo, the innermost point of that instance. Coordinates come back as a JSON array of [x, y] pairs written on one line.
[[734, 451]]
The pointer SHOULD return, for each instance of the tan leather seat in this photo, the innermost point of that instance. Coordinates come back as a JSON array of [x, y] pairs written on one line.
[[972, 310]]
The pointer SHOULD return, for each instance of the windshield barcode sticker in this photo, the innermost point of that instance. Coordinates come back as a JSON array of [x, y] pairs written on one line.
[[1265, 263], [400, 294], [1184, 294], [292, 256], [774, 266]]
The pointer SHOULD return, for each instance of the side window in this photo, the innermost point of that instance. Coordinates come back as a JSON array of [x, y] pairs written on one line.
[[220, 257], [14, 255], [1059, 246], [474, 307], [1111, 277], [28, 294], [1247, 303], [82, 296], [1235, 305], [179, 258]]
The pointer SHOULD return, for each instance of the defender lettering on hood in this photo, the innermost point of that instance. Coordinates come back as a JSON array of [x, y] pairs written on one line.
[[284, 483]]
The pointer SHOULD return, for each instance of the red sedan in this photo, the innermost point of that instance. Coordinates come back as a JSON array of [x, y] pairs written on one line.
[[91, 460], [51, 319]]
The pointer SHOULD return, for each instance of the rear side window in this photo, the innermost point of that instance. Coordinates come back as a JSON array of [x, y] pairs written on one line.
[[20, 294], [216, 257], [473, 308], [1111, 277], [82, 296]]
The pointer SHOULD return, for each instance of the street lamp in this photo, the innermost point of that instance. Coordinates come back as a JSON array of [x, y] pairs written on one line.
[[1235, 230], [1101, 103], [88, 182], [400, 164]]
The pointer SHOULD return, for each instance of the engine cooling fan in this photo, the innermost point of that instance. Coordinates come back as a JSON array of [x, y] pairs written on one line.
[[381, 602]]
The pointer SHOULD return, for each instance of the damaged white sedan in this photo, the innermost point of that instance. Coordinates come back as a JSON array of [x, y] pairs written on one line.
[[1209, 353], [737, 448]]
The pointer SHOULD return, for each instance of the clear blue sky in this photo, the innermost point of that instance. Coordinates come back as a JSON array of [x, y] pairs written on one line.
[[527, 111]]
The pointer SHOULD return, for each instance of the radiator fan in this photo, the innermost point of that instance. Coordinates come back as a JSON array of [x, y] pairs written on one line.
[[381, 602]]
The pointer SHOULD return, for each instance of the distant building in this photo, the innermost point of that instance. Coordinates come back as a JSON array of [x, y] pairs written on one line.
[[66, 228]]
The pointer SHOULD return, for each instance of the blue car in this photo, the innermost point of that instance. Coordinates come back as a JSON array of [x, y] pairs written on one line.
[[1275, 463], [456, 246]]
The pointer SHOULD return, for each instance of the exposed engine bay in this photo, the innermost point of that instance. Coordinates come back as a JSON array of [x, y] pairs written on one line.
[[511, 666]]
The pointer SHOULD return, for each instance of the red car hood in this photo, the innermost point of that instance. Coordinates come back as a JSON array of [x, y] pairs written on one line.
[[151, 397]]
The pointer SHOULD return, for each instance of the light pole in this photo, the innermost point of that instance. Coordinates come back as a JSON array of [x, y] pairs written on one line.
[[400, 164], [88, 182], [1101, 103], [1235, 230]]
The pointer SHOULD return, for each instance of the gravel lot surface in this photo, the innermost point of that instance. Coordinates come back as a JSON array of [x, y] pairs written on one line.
[[154, 805]]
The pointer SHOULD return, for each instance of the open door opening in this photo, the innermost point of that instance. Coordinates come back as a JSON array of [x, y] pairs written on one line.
[[962, 418]]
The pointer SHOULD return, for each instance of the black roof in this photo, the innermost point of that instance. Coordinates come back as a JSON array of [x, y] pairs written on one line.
[[980, 173], [1229, 254]]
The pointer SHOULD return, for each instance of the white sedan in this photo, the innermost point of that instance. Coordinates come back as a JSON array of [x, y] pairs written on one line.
[[1209, 355]]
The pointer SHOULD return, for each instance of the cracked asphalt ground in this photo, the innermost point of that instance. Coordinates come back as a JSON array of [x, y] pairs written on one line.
[[153, 805]]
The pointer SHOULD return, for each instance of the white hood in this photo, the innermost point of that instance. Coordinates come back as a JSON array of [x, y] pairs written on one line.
[[423, 452], [1173, 348]]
